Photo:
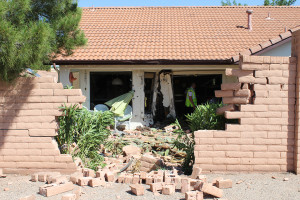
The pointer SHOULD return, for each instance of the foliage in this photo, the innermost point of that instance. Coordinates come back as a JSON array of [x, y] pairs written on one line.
[[186, 143], [234, 3], [205, 118], [34, 31], [279, 2], [85, 128], [115, 146]]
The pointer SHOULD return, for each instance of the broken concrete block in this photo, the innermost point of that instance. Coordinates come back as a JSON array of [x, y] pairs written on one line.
[[194, 195], [89, 173], [50, 175], [42, 177], [198, 185], [68, 197], [31, 197], [135, 179], [128, 178], [110, 177], [149, 180], [74, 177], [137, 189], [100, 174], [54, 189], [168, 189], [214, 181], [202, 178], [57, 179], [196, 172], [1, 174], [143, 175], [154, 187], [121, 178], [131, 150], [96, 182], [77, 192], [222, 184], [83, 181], [34, 177], [212, 190], [185, 185]]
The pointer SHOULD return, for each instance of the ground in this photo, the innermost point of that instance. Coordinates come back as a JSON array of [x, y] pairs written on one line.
[[252, 186]]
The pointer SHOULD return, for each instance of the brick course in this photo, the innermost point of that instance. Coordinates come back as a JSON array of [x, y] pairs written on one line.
[[28, 111]]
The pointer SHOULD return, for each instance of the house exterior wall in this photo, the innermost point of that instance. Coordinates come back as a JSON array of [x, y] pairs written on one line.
[[283, 50], [28, 111], [264, 139]]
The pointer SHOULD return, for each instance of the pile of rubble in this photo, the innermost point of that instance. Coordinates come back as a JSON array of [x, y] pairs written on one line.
[[163, 182]]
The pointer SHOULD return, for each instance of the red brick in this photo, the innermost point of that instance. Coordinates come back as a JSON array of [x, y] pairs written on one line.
[[230, 86], [68, 197], [267, 168], [268, 73], [15, 132], [110, 177], [221, 110], [238, 72], [76, 99], [194, 195], [185, 185], [242, 93], [168, 189], [235, 100], [250, 121], [51, 86], [67, 92], [227, 147], [267, 87], [154, 187], [137, 189], [82, 181], [96, 182], [212, 190], [251, 108], [251, 79], [54, 189], [226, 93], [254, 148], [31, 197], [238, 154], [223, 184]]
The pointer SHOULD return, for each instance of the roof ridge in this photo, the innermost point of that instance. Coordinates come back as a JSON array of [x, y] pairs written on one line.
[[149, 7]]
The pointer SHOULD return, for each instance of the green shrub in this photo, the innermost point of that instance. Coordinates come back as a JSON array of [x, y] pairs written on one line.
[[205, 118], [85, 128]]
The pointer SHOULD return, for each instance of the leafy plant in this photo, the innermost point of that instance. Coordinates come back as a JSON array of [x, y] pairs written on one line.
[[186, 143], [87, 129], [279, 2], [115, 146], [205, 118]]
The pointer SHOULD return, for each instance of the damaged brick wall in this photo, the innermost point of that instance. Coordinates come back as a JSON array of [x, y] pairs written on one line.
[[263, 101], [28, 111]]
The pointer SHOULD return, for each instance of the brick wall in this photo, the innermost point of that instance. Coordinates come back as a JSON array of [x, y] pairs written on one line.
[[296, 53], [28, 111], [263, 101]]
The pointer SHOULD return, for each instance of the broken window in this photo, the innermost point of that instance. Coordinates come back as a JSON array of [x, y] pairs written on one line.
[[108, 85]]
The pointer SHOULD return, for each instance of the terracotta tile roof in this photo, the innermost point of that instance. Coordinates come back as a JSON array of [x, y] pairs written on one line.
[[180, 33]]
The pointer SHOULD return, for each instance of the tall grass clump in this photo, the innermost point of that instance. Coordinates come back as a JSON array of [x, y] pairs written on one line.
[[87, 129]]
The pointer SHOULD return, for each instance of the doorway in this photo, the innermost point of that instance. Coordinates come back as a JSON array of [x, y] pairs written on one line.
[[205, 89]]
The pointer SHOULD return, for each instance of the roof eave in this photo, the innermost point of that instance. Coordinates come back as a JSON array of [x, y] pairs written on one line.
[[143, 62]]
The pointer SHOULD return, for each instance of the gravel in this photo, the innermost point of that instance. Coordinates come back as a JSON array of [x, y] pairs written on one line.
[[251, 186]]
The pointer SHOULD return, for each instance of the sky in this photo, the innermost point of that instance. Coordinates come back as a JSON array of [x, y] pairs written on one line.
[[111, 3]]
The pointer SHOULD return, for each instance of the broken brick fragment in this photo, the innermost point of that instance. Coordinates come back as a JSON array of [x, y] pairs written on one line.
[[96, 182], [168, 189], [83, 181], [194, 195], [154, 187], [196, 172], [137, 189], [212, 190], [54, 189], [31, 197], [110, 177], [222, 184], [68, 197], [185, 185]]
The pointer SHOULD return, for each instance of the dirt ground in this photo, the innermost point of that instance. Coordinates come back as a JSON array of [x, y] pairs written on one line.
[[251, 186]]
